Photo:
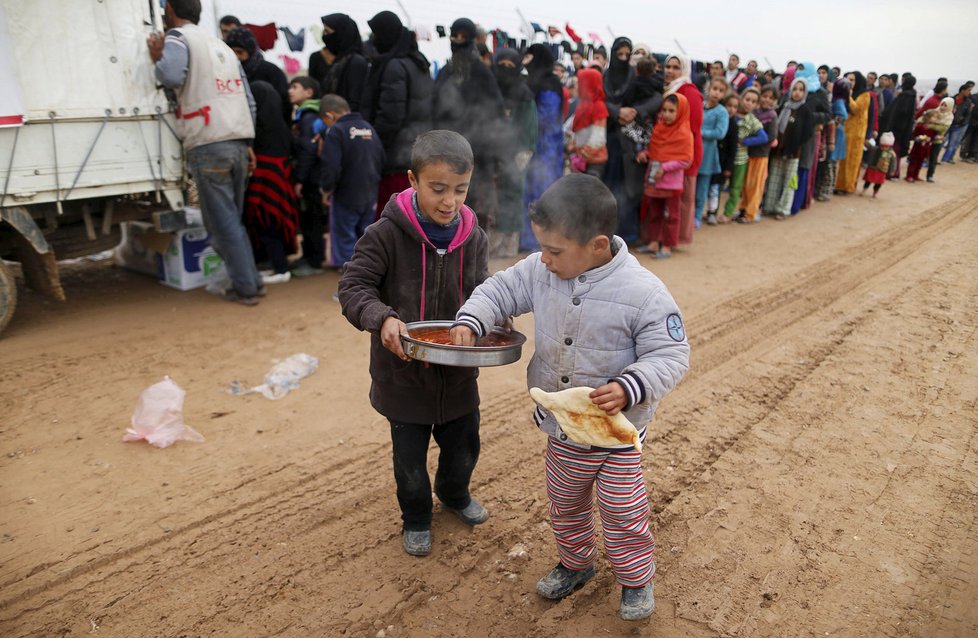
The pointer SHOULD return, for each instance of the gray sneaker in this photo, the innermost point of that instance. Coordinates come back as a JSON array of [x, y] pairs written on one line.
[[417, 543], [562, 581], [637, 602], [305, 270], [473, 513]]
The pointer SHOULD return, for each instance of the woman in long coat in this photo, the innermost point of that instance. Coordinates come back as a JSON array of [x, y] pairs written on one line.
[[855, 135]]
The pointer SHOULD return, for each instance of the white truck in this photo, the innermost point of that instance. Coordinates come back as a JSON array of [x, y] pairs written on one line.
[[86, 136]]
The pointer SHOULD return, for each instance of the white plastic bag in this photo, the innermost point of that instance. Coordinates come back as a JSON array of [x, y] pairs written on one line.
[[158, 417], [282, 378]]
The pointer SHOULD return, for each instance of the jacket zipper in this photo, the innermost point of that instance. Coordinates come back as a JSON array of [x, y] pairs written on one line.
[[439, 282]]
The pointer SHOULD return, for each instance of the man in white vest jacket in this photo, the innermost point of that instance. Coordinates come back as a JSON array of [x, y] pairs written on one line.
[[215, 121]]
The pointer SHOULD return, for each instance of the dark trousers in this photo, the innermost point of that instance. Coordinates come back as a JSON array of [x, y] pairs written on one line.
[[311, 225], [458, 441]]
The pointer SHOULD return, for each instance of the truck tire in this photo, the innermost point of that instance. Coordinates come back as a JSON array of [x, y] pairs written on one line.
[[8, 295]]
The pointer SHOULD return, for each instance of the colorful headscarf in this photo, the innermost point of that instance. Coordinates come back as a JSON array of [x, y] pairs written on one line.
[[788, 77], [810, 74], [591, 106], [673, 141]]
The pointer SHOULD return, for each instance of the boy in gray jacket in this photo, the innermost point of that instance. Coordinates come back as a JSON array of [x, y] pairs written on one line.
[[604, 321]]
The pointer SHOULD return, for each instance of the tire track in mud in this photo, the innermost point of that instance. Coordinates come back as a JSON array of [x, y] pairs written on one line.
[[328, 504]]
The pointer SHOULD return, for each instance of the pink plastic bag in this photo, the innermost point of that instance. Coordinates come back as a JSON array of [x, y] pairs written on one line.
[[158, 417]]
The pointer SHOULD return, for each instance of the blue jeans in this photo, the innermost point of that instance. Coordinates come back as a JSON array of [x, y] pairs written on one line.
[[221, 172], [702, 193], [346, 226], [951, 141]]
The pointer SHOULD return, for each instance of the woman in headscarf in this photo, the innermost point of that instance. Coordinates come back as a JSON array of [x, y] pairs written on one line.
[[467, 100], [515, 150], [836, 141], [347, 76], [397, 99], [677, 77], [624, 175], [257, 69], [932, 124], [855, 128], [616, 80], [547, 163], [898, 118], [818, 101], [270, 213]]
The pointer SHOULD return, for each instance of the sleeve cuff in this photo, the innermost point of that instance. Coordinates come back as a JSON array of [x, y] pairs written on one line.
[[471, 323], [634, 389]]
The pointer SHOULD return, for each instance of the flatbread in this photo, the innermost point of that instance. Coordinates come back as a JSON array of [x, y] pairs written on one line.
[[585, 422]]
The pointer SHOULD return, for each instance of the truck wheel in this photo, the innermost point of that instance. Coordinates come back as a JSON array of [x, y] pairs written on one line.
[[8, 295]]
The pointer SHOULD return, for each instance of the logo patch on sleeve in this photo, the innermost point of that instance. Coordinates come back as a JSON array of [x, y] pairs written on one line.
[[674, 325]]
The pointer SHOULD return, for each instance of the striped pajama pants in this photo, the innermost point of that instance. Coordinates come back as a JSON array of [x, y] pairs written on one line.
[[623, 504]]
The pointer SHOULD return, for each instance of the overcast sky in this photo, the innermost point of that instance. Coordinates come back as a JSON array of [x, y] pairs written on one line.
[[929, 39]]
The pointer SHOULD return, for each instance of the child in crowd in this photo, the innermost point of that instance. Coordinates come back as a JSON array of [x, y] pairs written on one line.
[[795, 127], [750, 133], [836, 139], [304, 95], [352, 160], [670, 152], [750, 201], [881, 160], [588, 145], [599, 315], [715, 123], [420, 261], [727, 148], [641, 89], [928, 136]]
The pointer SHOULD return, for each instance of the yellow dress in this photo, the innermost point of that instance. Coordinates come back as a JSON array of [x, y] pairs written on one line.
[[855, 139]]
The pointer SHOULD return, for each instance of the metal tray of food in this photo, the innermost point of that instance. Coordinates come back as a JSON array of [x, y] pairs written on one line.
[[429, 341]]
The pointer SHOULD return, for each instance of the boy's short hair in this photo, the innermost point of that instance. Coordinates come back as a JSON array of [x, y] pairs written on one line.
[[645, 66], [230, 19], [730, 96], [720, 80], [333, 103], [751, 89], [578, 205], [770, 88], [307, 83], [442, 146], [186, 9]]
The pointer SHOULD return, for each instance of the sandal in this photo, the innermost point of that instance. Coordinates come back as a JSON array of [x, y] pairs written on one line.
[[780, 217]]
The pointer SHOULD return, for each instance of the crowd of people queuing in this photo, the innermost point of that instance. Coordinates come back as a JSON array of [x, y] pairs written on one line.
[[667, 135], [506, 151]]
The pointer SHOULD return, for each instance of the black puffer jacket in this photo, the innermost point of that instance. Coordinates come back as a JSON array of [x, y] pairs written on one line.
[[397, 101]]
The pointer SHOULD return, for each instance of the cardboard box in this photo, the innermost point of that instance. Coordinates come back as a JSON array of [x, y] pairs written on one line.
[[190, 261], [132, 253], [183, 259]]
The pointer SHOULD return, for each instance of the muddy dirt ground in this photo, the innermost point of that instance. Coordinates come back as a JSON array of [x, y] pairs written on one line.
[[815, 474]]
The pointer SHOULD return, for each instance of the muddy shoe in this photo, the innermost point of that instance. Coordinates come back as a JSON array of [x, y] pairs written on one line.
[[417, 543], [637, 602], [472, 514], [562, 582]]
